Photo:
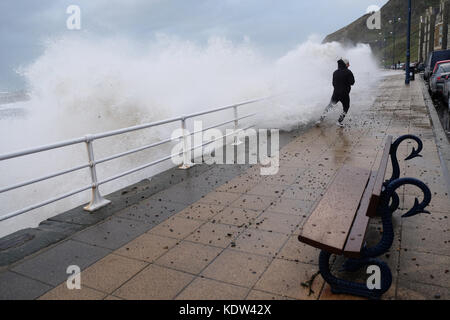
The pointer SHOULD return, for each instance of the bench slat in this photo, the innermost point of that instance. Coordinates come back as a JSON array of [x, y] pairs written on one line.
[[329, 224], [380, 178], [358, 230]]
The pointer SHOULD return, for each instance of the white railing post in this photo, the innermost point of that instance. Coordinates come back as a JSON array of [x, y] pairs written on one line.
[[187, 163], [97, 201], [236, 127]]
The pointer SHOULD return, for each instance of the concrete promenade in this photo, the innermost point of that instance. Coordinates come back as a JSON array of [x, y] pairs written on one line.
[[222, 235]]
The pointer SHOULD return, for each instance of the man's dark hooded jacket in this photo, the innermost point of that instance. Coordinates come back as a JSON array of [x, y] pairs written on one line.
[[343, 80]]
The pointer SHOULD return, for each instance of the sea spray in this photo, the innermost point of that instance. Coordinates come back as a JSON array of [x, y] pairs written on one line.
[[84, 85]]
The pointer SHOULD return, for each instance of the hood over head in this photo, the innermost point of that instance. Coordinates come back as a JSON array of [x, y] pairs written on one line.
[[342, 64]]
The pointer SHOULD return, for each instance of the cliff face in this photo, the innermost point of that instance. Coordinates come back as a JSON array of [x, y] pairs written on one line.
[[357, 31]]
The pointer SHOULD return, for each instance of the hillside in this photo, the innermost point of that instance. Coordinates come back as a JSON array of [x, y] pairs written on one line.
[[357, 31]]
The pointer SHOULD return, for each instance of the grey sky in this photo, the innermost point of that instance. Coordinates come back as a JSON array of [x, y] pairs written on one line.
[[275, 26]]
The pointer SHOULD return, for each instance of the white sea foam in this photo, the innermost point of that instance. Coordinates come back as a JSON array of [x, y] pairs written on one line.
[[84, 85]]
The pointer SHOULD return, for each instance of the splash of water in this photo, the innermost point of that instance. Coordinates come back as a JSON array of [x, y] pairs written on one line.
[[83, 85]]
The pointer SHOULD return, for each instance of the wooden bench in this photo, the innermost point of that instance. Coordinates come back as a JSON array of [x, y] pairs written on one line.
[[339, 221]]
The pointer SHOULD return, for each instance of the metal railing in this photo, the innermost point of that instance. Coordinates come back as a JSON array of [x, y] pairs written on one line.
[[97, 200]]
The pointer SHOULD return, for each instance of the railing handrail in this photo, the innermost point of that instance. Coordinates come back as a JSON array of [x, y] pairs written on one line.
[[97, 200], [111, 133]]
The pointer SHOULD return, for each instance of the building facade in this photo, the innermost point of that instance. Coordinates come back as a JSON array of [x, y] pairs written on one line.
[[441, 26], [428, 25], [434, 31]]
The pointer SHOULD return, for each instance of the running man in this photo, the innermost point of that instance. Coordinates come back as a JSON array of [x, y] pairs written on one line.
[[343, 80]]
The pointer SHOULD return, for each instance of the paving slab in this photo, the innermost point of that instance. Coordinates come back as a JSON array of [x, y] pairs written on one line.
[[266, 243], [189, 257], [27, 241], [183, 194], [151, 210], [176, 227], [237, 216], [252, 202], [408, 290], [147, 247], [266, 190], [18, 287], [113, 233], [61, 292], [431, 237], [298, 252], [425, 268], [220, 198], [285, 278], [201, 211], [278, 222], [154, 282], [215, 234], [291, 206], [111, 272], [238, 268], [50, 266], [208, 289]]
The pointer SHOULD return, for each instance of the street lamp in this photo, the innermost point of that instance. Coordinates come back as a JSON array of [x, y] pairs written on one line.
[[393, 21], [408, 46], [393, 50], [382, 46], [380, 42]]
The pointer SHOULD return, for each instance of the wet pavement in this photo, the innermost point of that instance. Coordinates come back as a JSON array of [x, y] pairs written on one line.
[[226, 232]]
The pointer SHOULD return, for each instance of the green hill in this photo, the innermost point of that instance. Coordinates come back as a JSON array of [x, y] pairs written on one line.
[[357, 31]]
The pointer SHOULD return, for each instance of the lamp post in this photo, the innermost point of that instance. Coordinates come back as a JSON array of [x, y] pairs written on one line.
[[408, 45], [393, 22], [380, 43], [383, 47]]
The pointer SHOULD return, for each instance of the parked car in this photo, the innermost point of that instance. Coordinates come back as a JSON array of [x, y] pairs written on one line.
[[434, 70], [433, 58], [438, 78], [445, 90], [438, 64]]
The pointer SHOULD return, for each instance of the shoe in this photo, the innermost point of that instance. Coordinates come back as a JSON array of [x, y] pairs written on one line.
[[342, 116], [340, 124]]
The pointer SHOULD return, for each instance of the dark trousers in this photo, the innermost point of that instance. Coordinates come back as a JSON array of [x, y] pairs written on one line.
[[344, 99]]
